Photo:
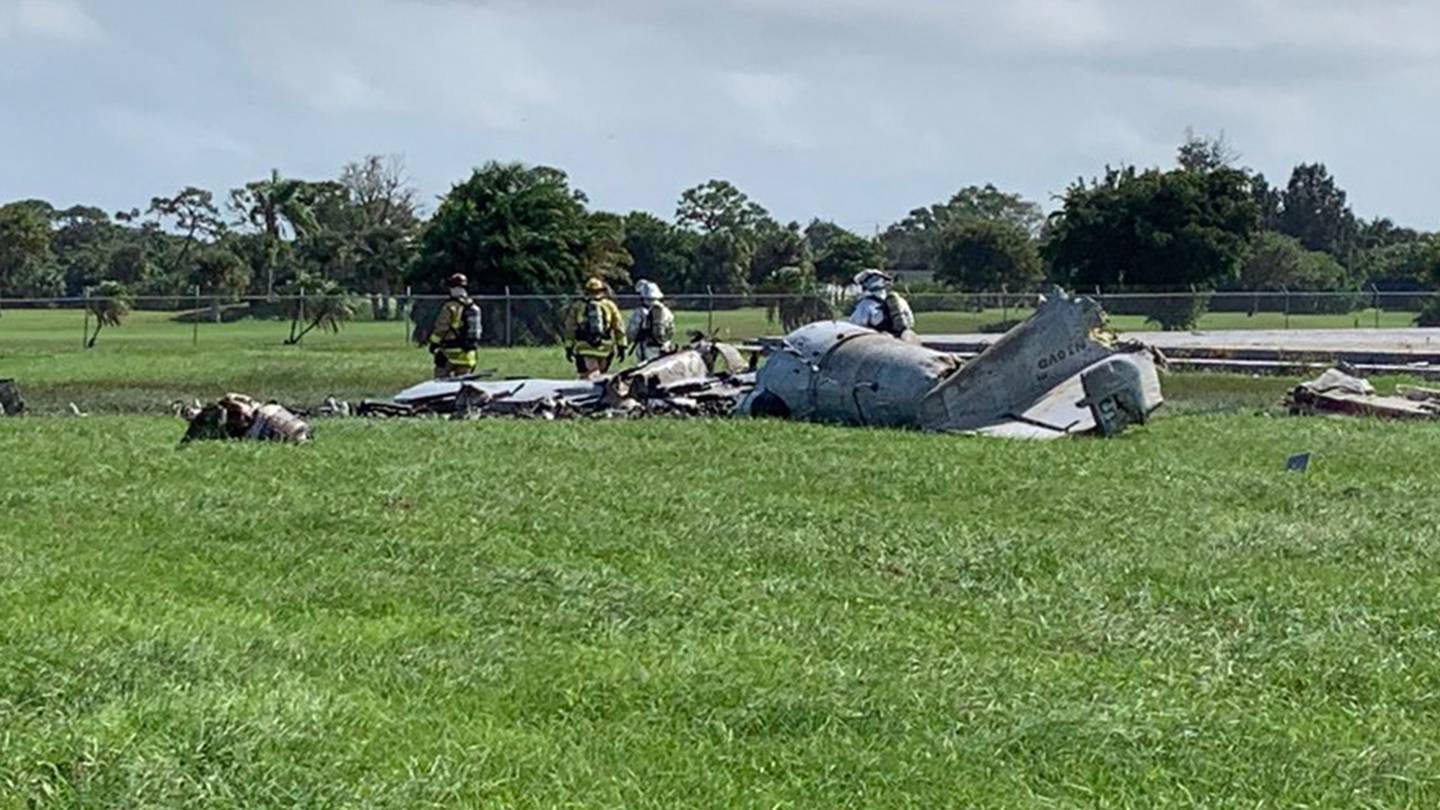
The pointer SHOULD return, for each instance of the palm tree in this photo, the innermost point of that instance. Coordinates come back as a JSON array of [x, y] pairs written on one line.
[[270, 205], [110, 305], [317, 304]]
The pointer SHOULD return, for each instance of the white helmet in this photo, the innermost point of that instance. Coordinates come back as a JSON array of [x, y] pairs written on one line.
[[649, 291], [872, 279]]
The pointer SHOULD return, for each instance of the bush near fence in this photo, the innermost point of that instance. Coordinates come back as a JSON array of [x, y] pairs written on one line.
[[1170, 311]]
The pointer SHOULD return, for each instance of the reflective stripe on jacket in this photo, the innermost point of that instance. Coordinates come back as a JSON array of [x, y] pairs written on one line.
[[448, 325]]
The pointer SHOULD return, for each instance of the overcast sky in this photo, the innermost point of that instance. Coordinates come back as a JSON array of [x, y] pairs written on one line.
[[856, 110]]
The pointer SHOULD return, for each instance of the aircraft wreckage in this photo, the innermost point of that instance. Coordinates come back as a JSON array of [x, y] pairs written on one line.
[[1058, 373]]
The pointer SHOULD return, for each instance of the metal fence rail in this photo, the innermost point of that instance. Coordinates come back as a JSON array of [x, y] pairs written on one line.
[[512, 319]]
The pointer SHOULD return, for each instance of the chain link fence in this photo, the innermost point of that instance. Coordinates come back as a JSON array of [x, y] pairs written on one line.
[[519, 320]]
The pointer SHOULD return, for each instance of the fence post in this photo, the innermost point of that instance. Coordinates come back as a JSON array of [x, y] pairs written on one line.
[[195, 319], [85, 327], [1286, 290], [1376, 291], [406, 307], [1004, 304], [710, 314], [508, 332], [301, 319]]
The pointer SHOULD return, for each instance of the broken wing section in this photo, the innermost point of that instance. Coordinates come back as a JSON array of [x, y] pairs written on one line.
[[1105, 398], [1058, 373]]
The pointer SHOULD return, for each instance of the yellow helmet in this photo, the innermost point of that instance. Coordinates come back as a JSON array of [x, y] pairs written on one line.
[[595, 286]]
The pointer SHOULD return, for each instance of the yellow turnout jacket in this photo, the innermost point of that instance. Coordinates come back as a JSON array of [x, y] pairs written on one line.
[[579, 337]]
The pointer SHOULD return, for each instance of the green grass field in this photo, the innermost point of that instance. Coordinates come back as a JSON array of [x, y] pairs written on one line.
[[661, 613], [674, 613]]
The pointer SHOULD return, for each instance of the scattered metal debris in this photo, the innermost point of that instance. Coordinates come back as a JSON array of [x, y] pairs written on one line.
[[1058, 373], [236, 416], [333, 407], [682, 383], [1341, 391], [10, 402]]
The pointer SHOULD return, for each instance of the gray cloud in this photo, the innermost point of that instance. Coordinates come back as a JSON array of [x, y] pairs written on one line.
[[63, 20], [854, 109]]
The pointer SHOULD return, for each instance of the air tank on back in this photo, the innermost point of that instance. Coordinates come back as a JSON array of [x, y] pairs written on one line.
[[832, 371]]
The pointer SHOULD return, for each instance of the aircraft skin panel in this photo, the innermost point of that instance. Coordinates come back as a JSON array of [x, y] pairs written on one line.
[[1058, 341]]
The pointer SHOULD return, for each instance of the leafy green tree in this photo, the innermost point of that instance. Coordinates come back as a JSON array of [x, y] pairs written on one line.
[[1154, 230], [1381, 232], [722, 262], [1202, 154], [820, 233], [1267, 201], [605, 253], [27, 262], [717, 205], [1280, 262], [110, 304], [1430, 315], [844, 254], [327, 246], [1402, 266], [221, 274], [777, 246], [913, 242], [272, 205], [987, 255], [1313, 210], [83, 240], [660, 251], [990, 204], [138, 260], [130, 264], [509, 225]]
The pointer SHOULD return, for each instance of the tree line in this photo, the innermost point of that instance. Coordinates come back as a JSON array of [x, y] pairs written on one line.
[[1205, 223]]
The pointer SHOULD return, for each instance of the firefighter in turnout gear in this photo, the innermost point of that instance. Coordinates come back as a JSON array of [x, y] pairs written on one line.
[[881, 308], [455, 338], [594, 332], [652, 324]]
